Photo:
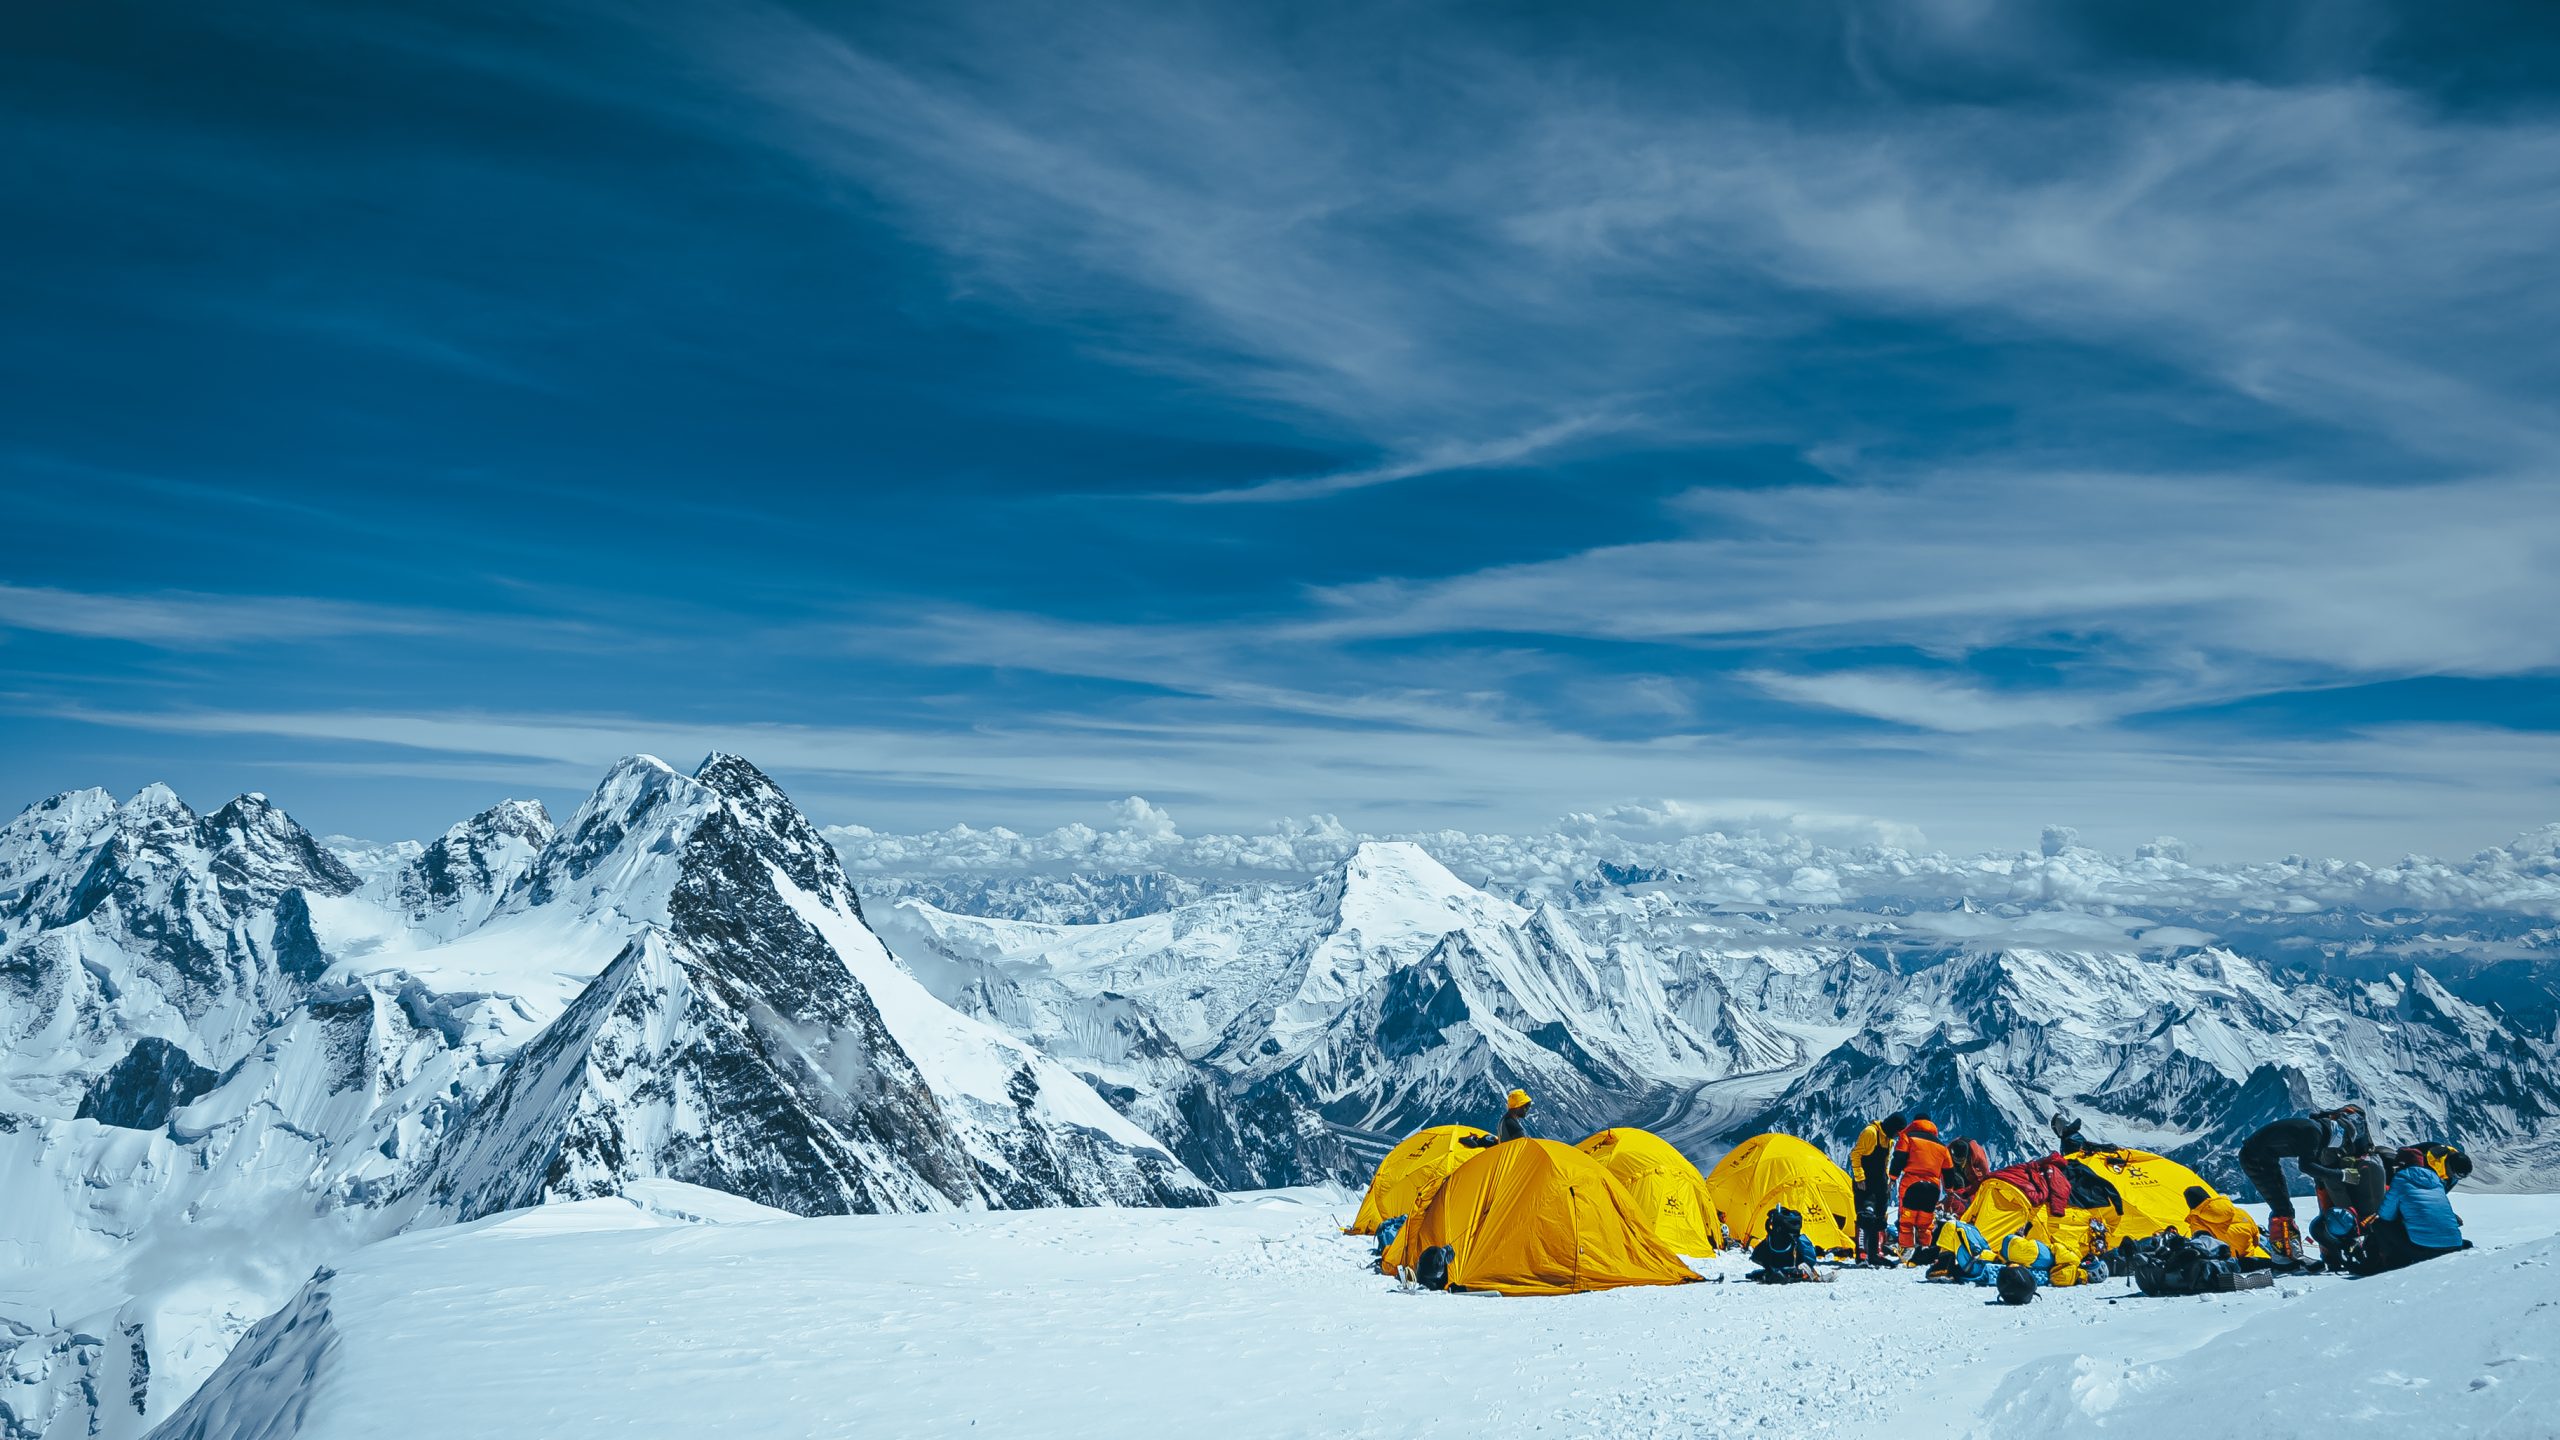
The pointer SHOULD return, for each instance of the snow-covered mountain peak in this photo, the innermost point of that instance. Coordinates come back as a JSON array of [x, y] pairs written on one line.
[[460, 879], [44, 833], [524, 819], [786, 837], [1391, 883], [259, 852], [1395, 887], [1384, 908], [622, 842], [754, 1034], [156, 798]]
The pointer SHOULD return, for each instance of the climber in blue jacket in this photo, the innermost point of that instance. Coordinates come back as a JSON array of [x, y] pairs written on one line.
[[2416, 1221]]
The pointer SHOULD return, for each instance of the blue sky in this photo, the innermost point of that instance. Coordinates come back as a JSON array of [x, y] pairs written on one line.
[[1964, 415]]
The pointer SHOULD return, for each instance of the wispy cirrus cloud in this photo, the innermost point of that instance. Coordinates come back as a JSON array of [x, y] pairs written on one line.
[[1934, 702], [2289, 577], [188, 620], [182, 620], [1439, 459], [1543, 245]]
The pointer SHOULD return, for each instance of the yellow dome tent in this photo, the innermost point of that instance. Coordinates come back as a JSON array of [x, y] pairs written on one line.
[[2000, 1210], [1669, 1192], [1771, 1170], [2154, 1190], [1411, 1175], [1534, 1217]]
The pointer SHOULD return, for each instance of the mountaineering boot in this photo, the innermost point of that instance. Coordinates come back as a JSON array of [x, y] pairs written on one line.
[[2284, 1242]]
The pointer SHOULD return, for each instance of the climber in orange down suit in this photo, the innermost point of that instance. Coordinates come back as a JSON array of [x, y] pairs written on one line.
[[1922, 1163]]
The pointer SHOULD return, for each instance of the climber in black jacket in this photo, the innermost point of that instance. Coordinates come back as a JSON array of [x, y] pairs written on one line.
[[2318, 1144]]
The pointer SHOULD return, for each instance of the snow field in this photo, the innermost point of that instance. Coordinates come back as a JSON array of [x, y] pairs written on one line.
[[679, 1312]]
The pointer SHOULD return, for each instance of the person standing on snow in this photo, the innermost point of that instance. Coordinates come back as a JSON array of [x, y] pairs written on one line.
[[1922, 1163], [2316, 1143], [1511, 1126], [1871, 1176]]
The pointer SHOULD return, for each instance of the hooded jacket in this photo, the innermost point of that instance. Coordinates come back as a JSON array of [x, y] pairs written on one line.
[[1919, 1157], [2417, 1200]]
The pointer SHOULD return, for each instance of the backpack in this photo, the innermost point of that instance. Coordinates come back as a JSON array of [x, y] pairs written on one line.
[[1387, 1232], [1432, 1270], [1779, 1246], [2343, 1129], [2173, 1264], [1783, 1252], [1959, 1254], [2017, 1285]]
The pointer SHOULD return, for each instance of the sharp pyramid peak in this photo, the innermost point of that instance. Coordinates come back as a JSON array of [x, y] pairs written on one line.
[[1401, 860], [247, 808], [1384, 880]]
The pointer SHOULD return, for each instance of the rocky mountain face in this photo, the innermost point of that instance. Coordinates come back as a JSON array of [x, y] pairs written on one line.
[[460, 877], [121, 922], [230, 1058], [742, 1043]]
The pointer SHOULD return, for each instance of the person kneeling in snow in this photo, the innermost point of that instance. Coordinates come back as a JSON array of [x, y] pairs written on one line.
[[2415, 1222], [1784, 1255]]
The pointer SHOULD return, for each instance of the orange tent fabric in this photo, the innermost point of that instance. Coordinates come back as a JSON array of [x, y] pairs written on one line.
[[1534, 1217], [1411, 1174]]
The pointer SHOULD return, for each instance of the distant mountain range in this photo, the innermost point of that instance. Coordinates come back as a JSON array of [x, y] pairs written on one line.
[[230, 1052]]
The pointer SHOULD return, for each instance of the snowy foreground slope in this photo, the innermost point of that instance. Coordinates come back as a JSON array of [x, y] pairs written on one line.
[[680, 1312]]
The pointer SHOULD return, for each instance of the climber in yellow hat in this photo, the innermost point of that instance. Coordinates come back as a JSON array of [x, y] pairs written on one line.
[[1516, 1105]]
